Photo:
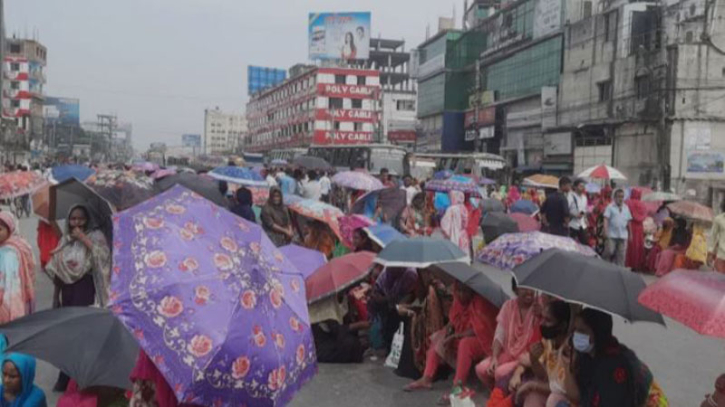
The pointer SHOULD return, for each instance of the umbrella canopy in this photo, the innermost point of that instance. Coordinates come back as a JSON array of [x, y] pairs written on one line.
[[197, 183], [496, 224], [510, 250], [492, 205], [19, 183], [238, 175], [350, 223], [445, 174], [317, 210], [420, 252], [525, 222], [72, 192], [692, 210], [311, 163], [392, 200], [306, 260], [337, 275], [144, 166], [660, 196], [65, 172], [542, 181], [455, 183], [693, 298], [89, 344], [279, 161], [383, 234], [476, 280], [602, 172], [486, 181], [359, 180], [212, 301], [589, 281], [41, 201], [524, 206], [122, 189]]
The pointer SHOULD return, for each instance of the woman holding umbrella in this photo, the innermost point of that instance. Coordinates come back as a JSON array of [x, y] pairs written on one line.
[[276, 219]]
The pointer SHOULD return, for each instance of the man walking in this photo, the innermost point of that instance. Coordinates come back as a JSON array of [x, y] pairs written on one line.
[[716, 242], [578, 212], [555, 211], [616, 229]]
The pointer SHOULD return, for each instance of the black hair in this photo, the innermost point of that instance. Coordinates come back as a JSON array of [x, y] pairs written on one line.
[[564, 181], [578, 182], [561, 311], [601, 325], [384, 170], [312, 174], [223, 187], [244, 196], [514, 286]]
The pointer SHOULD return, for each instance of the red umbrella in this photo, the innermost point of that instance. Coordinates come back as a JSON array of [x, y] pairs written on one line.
[[692, 210], [526, 223], [694, 298], [338, 274]]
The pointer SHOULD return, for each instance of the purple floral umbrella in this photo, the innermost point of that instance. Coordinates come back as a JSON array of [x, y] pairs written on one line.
[[220, 311], [357, 180], [512, 249]]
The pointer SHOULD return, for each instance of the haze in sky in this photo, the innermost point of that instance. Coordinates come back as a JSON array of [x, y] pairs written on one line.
[[160, 63]]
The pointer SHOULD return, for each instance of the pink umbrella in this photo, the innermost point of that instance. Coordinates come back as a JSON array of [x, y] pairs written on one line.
[[526, 223], [337, 275], [350, 223], [692, 210], [693, 298]]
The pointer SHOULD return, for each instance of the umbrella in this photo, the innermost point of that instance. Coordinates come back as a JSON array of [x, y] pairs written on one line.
[[510, 250], [602, 172], [89, 344], [66, 172], [692, 210], [694, 298], [496, 224], [392, 200], [211, 301], [72, 192], [420, 252], [279, 161], [311, 163], [524, 206], [476, 280], [122, 189], [201, 185], [525, 222], [19, 183], [317, 210], [350, 223], [445, 174], [41, 201], [593, 188], [383, 234], [306, 260], [492, 205], [660, 196], [164, 172], [337, 275], [486, 181], [455, 183], [238, 175], [144, 166], [541, 181], [589, 281], [359, 180]]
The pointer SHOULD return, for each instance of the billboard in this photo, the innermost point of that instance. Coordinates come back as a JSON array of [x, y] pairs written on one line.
[[62, 111], [260, 78], [344, 36], [191, 140]]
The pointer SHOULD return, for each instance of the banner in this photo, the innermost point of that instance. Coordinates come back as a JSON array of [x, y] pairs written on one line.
[[347, 91], [345, 115], [486, 116], [402, 136], [344, 36], [705, 162], [342, 137], [61, 111], [547, 17]]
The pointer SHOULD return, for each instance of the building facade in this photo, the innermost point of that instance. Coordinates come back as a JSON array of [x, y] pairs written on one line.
[[223, 132], [326, 105]]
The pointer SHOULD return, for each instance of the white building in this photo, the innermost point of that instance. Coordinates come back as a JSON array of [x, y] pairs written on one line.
[[223, 132]]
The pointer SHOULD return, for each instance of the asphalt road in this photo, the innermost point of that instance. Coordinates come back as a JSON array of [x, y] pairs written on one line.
[[684, 363]]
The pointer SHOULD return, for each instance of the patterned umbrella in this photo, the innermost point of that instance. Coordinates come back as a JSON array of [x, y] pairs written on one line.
[[602, 172], [455, 183], [19, 183], [542, 181], [694, 298], [692, 210], [122, 189], [220, 311], [486, 181], [512, 249], [66, 172], [317, 210], [350, 223], [238, 175], [445, 174], [337, 275], [359, 180]]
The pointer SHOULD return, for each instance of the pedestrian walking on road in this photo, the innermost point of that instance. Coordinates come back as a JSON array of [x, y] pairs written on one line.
[[578, 204], [617, 229], [555, 211]]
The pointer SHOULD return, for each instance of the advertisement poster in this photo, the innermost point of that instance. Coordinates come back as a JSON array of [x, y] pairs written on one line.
[[705, 162], [62, 111], [344, 36], [548, 107], [191, 140], [547, 17]]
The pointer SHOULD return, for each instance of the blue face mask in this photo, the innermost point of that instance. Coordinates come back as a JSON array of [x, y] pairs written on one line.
[[582, 343]]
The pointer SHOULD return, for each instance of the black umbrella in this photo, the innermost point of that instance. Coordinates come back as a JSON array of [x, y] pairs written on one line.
[[205, 187], [311, 163], [89, 344], [392, 200], [72, 192], [589, 281], [476, 280], [492, 205], [496, 224]]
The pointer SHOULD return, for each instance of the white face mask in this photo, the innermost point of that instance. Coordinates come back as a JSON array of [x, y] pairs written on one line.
[[582, 343]]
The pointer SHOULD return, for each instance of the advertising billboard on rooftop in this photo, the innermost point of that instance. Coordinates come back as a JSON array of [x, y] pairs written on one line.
[[343, 36], [61, 111]]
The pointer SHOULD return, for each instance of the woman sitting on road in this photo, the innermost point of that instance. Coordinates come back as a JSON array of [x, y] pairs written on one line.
[[17, 388], [17, 290], [276, 219]]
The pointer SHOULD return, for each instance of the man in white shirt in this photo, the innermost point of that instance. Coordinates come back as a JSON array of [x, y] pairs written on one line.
[[325, 187], [578, 204], [270, 178], [312, 188], [410, 189]]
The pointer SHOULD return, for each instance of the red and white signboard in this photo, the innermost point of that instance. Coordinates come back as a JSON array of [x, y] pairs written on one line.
[[342, 137], [347, 91], [402, 136], [486, 115], [347, 115]]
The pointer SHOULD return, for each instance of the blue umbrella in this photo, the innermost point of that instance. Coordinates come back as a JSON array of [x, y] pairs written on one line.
[[383, 234], [445, 174], [238, 175], [524, 206], [65, 172]]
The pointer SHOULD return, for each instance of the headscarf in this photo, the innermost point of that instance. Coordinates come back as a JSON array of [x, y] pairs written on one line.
[[518, 331], [277, 212], [455, 222], [328, 309], [26, 261], [534, 196], [30, 395], [145, 369], [665, 235], [513, 196], [396, 282], [636, 207], [243, 208], [479, 315]]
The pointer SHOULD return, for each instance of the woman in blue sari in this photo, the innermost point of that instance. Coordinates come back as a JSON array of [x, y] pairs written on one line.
[[17, 387]]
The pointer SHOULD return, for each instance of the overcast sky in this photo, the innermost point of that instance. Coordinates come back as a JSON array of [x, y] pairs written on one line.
[[160, 63]]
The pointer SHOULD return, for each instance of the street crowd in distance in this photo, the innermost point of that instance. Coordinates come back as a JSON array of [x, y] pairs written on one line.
[[313, 265]]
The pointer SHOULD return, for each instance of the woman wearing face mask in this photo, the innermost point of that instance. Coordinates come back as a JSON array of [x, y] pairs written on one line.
[[609, 374]]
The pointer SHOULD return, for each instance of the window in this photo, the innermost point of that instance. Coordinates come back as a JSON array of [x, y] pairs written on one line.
[[358, 126], [357, 103], [14, 66], [336, 125], [16, 48], [15, 103], [587, 9], [361, 80], [642, 84], [15, 85], [605, 90], [406, 105], [688, 37], [335, 103], [339, 79]]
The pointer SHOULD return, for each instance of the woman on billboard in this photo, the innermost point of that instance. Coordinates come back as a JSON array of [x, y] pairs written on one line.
[[348, 49]]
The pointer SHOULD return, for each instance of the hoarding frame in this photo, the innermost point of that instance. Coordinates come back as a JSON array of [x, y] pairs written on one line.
[[327, 34]]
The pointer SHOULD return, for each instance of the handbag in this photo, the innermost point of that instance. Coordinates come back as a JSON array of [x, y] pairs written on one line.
[[396, 348]]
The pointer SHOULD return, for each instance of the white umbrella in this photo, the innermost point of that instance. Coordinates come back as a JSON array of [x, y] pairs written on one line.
[[602, 172]]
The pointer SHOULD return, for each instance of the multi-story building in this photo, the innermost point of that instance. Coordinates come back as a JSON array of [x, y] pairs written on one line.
[[22, 93], [326, 105], [223, 131]]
